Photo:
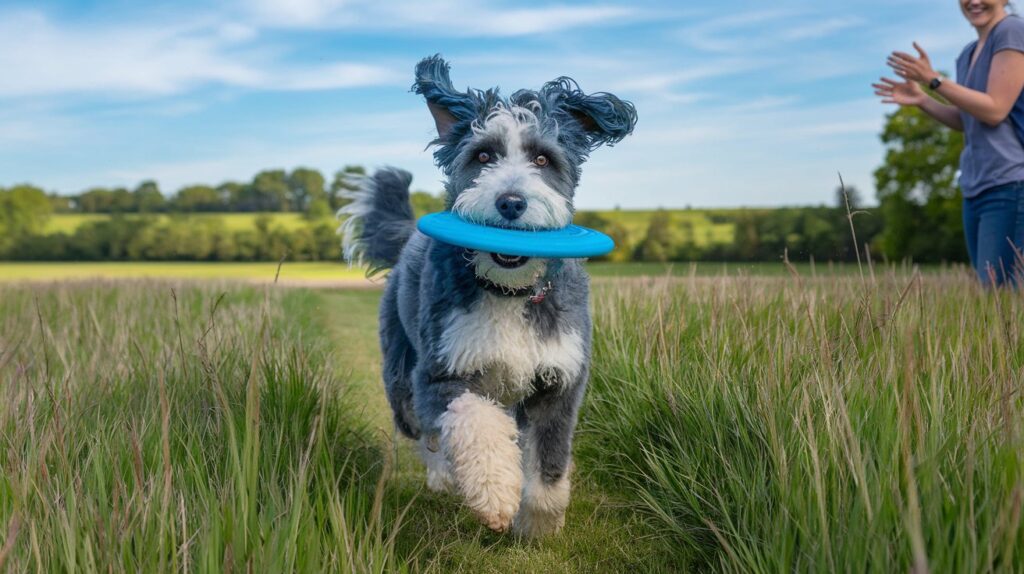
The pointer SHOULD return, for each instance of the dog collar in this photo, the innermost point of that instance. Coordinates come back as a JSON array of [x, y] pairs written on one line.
[[495, 289], [537, 292]]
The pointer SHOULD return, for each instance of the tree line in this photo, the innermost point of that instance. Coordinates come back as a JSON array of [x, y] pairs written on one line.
[[918, 217]]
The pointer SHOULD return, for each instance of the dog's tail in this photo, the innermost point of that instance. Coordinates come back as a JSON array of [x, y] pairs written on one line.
[[378, 220]]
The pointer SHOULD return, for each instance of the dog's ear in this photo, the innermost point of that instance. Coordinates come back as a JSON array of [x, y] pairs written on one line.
[[447, 105], [604, 118]]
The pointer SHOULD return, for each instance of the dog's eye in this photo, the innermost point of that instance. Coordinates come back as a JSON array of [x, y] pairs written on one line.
[[540, 161], [483, 157]]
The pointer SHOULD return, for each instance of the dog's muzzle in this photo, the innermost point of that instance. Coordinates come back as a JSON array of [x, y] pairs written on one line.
[[509, 261]]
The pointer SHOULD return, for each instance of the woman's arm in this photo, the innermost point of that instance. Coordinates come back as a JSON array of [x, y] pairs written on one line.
[[1005, 82], [910, 94]]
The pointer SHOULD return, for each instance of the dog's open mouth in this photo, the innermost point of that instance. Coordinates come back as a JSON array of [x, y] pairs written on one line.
[[509, 261]]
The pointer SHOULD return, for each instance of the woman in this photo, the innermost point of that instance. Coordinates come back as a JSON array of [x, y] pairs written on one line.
[[988, 106]]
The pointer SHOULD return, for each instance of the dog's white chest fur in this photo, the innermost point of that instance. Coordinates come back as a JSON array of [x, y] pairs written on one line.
[[494, 338]]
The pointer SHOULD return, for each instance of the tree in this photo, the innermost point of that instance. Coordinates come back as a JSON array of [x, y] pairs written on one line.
[[269, 191], [305, 186], [661, 241], [24, 210], [424, 203], [198, 198], [148, 198], [848, 195], [344, 180], [919, 199]]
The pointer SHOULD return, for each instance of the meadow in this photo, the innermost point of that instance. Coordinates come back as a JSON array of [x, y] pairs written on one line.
[[705, 229], [735, 423], [69, 222]]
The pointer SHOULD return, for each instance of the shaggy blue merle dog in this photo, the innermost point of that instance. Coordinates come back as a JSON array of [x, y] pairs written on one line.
[[486, 355]]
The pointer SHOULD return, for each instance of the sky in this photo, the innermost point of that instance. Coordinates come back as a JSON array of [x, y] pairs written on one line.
[[744, 103]]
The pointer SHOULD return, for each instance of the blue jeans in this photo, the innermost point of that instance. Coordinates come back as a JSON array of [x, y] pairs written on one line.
[[992, 220]]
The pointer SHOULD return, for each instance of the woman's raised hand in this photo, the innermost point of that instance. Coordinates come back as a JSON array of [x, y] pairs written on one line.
[[908, 67], [907, 93]]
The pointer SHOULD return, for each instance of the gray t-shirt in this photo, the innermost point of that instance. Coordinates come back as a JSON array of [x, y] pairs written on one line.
[[992, 155]]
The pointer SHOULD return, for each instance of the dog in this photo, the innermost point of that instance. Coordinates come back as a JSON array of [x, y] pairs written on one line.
[[485, 355]]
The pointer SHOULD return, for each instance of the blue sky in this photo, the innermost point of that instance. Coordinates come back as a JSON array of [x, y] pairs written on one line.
[[739, 103]]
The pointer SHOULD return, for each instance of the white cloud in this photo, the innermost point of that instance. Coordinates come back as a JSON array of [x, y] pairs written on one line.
[[450, 18], [41, 57]]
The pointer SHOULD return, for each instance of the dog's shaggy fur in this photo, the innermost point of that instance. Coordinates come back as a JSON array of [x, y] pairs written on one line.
[[486, 355]]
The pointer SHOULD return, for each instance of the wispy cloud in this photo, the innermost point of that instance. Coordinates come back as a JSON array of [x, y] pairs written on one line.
[[41, 57], [451, 18]]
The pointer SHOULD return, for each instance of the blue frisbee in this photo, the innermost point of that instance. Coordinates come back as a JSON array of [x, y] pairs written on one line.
[[569, 242]]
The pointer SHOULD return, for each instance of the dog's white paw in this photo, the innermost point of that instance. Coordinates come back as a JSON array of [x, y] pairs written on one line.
[[439, 476], [543, 508], [479, 440]]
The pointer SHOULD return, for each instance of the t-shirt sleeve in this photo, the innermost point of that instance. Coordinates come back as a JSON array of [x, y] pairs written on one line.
[[1009, 35]]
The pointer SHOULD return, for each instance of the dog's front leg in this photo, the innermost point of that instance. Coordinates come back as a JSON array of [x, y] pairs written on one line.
[[480, 441], [547, 458]]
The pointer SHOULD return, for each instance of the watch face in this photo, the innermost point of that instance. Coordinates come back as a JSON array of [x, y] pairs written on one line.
[[935, 83]]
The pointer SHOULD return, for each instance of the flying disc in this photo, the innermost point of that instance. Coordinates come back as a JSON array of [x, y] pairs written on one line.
[[572, 241]]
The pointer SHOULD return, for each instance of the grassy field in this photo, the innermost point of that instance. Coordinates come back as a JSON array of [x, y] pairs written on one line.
[[259, 272], [699, 220], [342, 274], [734, 423], [69, 222]]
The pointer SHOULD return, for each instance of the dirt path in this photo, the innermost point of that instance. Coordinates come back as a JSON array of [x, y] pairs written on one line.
[[602, 534]]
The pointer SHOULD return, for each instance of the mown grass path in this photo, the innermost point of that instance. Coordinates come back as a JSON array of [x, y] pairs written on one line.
[[603, 533]]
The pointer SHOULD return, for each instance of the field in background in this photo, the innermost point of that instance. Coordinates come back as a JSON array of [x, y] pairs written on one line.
[[704, 229], [69, 222], [734, 424]]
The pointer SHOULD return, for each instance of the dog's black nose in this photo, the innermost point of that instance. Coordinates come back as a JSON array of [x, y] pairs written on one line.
[[511, 205]]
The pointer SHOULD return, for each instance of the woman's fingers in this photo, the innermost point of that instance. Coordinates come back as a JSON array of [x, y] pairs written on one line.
[[920, 51], [889, 81]]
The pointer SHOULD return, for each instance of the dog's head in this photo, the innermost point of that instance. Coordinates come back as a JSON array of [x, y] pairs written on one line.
[[515, 162]]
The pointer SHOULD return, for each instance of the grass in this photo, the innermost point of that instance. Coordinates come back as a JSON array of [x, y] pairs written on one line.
[[735, 423], [340, 273], [258, 271], [153, 427], [794, 424]]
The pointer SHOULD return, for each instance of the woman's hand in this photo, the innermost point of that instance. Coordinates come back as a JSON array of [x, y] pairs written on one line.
[[912, 69], [907, 93]]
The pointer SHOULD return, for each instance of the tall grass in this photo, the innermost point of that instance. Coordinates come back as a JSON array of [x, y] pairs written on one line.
[[159, 427], [849, 423]]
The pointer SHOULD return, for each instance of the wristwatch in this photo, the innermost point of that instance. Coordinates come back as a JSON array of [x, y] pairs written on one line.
[[935, 83]]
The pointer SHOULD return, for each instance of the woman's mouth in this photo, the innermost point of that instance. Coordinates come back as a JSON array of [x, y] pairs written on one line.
[[509, 261]]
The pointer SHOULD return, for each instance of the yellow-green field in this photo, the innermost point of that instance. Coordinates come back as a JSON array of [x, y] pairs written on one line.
[[261, 271], [704, 230], [69, 222]]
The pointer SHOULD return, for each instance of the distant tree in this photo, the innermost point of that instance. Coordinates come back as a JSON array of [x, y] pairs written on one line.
[[919, 199], [319, 209], [305, 186], [618, 232], [198, 198], [230, 194], [61, 203], [269, 191], [344, 180], [662, 239], [849, 194], [148, 198], [24, 210], [424, 202]]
